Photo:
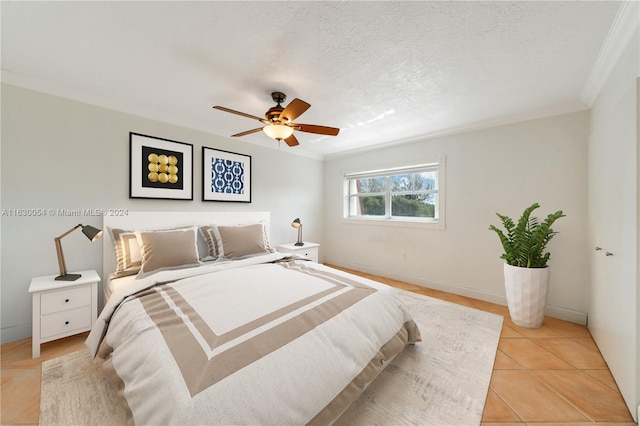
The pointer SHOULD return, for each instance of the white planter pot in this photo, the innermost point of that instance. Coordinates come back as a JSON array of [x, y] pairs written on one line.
[[526, 290]]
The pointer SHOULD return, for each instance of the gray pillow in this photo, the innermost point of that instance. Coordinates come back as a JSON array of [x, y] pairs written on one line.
[[170, 249], [239, 241]]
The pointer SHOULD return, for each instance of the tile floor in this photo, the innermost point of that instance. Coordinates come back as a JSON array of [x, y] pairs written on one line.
[[553, 375]]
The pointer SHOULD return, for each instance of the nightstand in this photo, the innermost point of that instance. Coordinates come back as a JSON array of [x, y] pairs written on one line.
[[62, 308], [309, 250]]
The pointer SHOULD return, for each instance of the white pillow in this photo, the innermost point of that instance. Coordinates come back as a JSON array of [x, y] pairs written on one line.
[[127, 252]]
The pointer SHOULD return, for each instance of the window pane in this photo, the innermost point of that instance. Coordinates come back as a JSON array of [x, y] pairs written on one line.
[[370, 185], [418, 205], [367, 205], [399, 193], [414, 182]]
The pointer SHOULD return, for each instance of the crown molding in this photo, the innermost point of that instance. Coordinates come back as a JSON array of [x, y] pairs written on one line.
[[551, 111], [624, 26]]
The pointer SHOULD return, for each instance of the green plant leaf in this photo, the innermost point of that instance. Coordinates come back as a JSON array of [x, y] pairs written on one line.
[[525, 242]]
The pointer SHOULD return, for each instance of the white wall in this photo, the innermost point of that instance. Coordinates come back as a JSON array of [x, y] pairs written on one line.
[[502, 169], [62, 154], [614, 220]]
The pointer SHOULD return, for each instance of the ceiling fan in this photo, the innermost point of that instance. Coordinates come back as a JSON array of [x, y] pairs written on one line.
[[279, 123]]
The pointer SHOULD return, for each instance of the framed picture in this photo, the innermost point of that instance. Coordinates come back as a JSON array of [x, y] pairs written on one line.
[[226, 176], [160, 168]]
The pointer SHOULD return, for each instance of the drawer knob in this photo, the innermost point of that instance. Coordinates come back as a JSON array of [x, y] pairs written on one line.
[[66, 300], [66, 323]]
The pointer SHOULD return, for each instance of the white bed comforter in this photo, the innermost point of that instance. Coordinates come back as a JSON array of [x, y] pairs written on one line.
[[261, 341]]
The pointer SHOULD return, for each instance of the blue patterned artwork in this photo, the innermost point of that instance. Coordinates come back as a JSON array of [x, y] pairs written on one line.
[[227, 176]]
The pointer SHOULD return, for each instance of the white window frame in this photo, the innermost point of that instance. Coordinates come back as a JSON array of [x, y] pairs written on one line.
[[401, 221]]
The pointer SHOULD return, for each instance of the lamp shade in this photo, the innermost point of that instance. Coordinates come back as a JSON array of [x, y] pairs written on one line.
[[92, 233], [278, 131]]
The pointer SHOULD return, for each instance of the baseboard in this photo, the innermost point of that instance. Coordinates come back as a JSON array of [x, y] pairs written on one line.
[[11, 334], [566, 314], [551, 311]]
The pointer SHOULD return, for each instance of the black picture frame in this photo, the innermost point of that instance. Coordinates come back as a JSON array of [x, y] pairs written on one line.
[[226, 176], [160, 168]]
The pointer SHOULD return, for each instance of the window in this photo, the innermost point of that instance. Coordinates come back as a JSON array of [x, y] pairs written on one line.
[[400, 194]]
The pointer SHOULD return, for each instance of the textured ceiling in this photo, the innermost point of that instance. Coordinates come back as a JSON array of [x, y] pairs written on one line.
[[384, 72]]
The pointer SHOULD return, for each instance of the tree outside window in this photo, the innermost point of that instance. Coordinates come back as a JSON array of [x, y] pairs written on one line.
[[410, 192]]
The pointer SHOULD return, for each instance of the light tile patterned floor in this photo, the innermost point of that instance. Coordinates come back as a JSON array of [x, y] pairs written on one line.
[[547, 376]]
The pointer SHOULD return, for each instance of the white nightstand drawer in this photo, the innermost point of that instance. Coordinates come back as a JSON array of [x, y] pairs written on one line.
[[65, 321], [311, 253], [309, 250], [65, 299]]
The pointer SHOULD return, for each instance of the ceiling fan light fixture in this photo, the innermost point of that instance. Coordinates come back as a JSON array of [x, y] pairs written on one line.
[[278, 122], [278, 131]]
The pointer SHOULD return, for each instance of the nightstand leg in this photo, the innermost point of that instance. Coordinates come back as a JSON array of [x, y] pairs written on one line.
[[35, 326], [35, 349]]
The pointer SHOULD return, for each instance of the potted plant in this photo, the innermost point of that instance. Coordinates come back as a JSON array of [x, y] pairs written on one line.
[[526, 273]]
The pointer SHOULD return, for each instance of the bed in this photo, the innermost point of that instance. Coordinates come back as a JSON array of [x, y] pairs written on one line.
[[205, 323]]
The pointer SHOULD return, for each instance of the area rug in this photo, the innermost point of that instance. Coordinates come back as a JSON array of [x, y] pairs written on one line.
[[442, 380]]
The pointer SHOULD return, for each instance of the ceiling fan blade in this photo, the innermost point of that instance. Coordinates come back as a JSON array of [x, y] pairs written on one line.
[[232, 111], [294, 110], [248, 132], [312, 128], [292, 141]]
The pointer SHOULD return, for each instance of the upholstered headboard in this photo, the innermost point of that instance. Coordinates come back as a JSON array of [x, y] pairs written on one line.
[[163, 220]]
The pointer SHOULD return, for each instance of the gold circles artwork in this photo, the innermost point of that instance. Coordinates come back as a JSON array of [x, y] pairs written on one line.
[[162, 168]]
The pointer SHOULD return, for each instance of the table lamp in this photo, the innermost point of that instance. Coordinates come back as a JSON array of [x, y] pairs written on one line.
[[92, 233], [296, 224]]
